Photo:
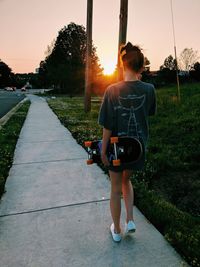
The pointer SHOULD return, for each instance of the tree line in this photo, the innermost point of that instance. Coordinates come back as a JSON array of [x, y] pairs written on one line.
[[188, 68], [63, 68]]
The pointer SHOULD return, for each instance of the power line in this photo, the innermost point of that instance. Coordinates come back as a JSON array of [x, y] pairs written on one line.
[[172, 14]]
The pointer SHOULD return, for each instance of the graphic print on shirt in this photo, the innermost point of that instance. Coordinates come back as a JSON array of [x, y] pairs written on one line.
[[129, 105]]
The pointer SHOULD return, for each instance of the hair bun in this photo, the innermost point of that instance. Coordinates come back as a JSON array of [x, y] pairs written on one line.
[[130, 48], [126, 49]]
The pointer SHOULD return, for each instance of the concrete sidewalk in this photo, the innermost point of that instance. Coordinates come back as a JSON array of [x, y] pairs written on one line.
[[56, 208]]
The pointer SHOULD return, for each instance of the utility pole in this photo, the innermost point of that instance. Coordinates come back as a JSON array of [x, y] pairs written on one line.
[[177, 77], [123, 18], [88, 72]]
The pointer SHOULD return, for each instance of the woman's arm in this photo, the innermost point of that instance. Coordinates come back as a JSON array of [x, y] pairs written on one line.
[[105, 140]]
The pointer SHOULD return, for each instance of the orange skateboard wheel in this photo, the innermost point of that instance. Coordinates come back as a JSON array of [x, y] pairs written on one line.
[[89, 161], [88, 143], [114, 140], [116, 162]]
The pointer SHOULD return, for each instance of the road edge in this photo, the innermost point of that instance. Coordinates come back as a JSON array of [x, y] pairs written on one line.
[[8, 115]]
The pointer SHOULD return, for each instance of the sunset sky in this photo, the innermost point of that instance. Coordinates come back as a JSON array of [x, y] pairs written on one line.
[[28, 26]]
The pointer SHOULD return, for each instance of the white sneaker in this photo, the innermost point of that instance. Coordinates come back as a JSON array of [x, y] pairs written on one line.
[[116, 237], [129, 227]]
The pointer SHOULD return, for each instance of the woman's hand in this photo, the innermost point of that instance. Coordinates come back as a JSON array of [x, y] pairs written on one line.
[[104, 159]]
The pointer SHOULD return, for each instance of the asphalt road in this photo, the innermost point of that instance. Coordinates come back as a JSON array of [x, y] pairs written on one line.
[[8, 100]]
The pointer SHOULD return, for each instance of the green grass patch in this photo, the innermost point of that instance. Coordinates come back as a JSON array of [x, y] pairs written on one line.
[[174, 149], [71, 113], [168, 190], [9, 134], [181, 229]]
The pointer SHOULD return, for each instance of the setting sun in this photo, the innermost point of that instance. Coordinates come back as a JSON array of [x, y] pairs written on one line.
[[109, 68]]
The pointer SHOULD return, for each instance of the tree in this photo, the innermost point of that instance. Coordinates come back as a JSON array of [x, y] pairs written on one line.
[[146, 75], [146, 64], [64, 67], [197, 66], [195, 72], [42, 75], [6, 75], [187, 59], [167, 71], [169, 63], [49, 48]]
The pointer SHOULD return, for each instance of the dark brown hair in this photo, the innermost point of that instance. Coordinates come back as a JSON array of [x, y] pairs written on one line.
[[132, 57]]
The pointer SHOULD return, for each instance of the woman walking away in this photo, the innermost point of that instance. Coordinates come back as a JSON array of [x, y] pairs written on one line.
[[124, 112]]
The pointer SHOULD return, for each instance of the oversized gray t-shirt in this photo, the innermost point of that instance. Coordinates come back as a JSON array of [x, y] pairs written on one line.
[[126, 107]]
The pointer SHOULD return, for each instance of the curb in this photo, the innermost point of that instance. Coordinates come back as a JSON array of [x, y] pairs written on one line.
[[8, 115]]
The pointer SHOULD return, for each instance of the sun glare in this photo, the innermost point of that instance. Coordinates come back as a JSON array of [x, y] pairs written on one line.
[[109, 68]]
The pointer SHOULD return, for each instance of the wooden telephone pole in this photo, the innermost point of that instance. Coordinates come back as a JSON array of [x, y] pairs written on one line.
[[123, 18], [177, 77], [88, 72]]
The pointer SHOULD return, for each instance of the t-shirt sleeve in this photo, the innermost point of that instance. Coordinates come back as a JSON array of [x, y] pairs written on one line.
[[106, 113], [152, 108]]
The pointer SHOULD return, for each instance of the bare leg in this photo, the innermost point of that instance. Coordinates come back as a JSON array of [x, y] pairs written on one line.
[[128, 194], [115, 198]]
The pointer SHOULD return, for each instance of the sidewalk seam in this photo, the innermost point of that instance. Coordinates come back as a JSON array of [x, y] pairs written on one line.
[[46, 161], [36, 142], [56, 207]]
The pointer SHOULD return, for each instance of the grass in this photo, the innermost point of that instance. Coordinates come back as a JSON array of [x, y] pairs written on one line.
[[71, 113], [9, 134], [172, 167], [174, 149], [168, 190]]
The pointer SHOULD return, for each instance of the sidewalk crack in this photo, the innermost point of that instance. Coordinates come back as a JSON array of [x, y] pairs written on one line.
[[46, 161], [55, 207]]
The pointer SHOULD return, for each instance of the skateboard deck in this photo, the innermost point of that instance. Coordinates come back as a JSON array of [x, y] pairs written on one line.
[[120, 150]]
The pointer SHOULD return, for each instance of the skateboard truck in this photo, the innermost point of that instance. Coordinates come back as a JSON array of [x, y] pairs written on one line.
[[88, 145], [114, 141]]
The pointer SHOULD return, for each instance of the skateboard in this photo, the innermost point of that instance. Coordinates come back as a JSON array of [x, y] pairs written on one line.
[[120, 150]]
